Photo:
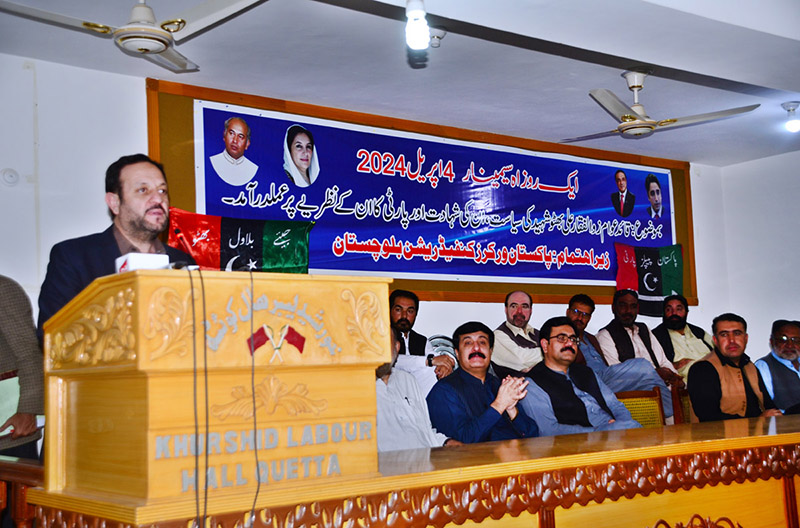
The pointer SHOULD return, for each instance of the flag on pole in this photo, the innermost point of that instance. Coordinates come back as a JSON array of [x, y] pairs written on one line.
[[236, 244], [258, 339], [654, 272], [294, 338]]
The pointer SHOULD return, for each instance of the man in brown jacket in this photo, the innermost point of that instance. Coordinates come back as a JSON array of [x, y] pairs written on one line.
[[20, 358], [725, 384]]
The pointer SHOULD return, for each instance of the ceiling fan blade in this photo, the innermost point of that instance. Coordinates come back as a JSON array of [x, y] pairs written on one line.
[[702, 118], [39, 15], [591, 136], [207, 14], [172, 60], [613, 105]]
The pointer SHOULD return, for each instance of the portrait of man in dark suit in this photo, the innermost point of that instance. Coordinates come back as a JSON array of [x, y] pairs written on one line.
[[623, 200], [653, 187]]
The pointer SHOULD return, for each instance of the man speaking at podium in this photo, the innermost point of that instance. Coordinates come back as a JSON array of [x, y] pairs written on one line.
[[138, 203]]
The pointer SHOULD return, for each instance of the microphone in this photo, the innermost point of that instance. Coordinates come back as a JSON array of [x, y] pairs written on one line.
[[184, 243]]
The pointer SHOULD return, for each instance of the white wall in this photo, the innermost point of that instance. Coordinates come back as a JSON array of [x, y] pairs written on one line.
[[62, 127], [65, 125], [762, 244]]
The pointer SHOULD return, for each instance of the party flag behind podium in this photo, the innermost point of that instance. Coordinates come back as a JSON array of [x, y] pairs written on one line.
[[221, 243]]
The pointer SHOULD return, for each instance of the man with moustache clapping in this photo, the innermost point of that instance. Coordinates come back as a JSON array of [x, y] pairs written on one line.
[[471, 405]]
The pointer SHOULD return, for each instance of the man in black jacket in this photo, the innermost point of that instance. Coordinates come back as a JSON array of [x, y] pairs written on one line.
[[623, 338], [138, 203], [566, 397], [683, 343]]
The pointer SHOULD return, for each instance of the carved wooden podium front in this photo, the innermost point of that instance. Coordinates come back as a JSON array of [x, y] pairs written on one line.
[[151, 394], [156, 418]]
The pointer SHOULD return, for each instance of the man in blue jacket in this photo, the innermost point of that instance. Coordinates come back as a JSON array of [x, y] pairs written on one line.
[[472, 405]]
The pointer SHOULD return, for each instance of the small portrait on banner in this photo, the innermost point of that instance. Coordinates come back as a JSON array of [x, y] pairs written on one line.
[[300, 156], [231, 165], [656, 208], [623, 200]]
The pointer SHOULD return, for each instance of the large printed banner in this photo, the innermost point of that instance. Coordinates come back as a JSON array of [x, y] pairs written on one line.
[[408, 205]]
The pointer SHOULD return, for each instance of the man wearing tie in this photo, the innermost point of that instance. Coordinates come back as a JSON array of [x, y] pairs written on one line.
[[623, 200], [656, 209]]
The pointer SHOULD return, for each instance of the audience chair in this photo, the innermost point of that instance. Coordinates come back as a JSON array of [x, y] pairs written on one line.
[[644, 406], [681, 405]]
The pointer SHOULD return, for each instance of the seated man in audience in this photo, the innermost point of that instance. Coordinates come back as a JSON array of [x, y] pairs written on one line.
[[725, 384], [683, 343], [138, 203], [402, 418], [516, 347], [417, 356], [471, 405], [780, 369], [623, 339], [20, 357], [566, 397], [634, 374]]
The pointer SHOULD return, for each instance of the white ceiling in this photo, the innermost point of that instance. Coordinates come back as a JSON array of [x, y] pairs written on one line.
[[516, 67]]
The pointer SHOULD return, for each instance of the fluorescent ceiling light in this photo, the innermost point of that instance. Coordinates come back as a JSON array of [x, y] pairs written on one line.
[[418, 35]]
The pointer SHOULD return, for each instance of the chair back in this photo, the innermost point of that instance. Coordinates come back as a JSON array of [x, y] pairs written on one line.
[[681, 405], [644, 406]]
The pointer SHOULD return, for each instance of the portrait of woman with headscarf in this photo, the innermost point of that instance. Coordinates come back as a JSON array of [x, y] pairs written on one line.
[[300, 156]]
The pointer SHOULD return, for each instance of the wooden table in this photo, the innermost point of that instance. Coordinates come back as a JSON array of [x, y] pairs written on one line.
[[742, 470], [139, 362], [17, 475]]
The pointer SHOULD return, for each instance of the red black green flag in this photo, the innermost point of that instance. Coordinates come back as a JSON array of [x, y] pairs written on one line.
[[235, 244], [654, 272]]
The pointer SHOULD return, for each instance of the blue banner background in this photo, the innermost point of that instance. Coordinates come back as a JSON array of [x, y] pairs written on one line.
[[451, 206]]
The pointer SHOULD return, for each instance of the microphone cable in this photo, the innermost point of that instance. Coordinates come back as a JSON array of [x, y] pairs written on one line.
[[194, 407], [251, 519], [200, 521], [205, 383]]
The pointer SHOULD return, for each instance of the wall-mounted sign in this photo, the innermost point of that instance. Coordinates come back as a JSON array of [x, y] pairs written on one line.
[[408, 205]]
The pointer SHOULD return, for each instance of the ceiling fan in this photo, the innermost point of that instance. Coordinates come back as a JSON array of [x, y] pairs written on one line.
[[142, 35], [635, 123]]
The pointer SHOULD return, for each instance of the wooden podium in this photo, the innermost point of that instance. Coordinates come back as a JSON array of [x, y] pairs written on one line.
[[141, 366], [151, 391]]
